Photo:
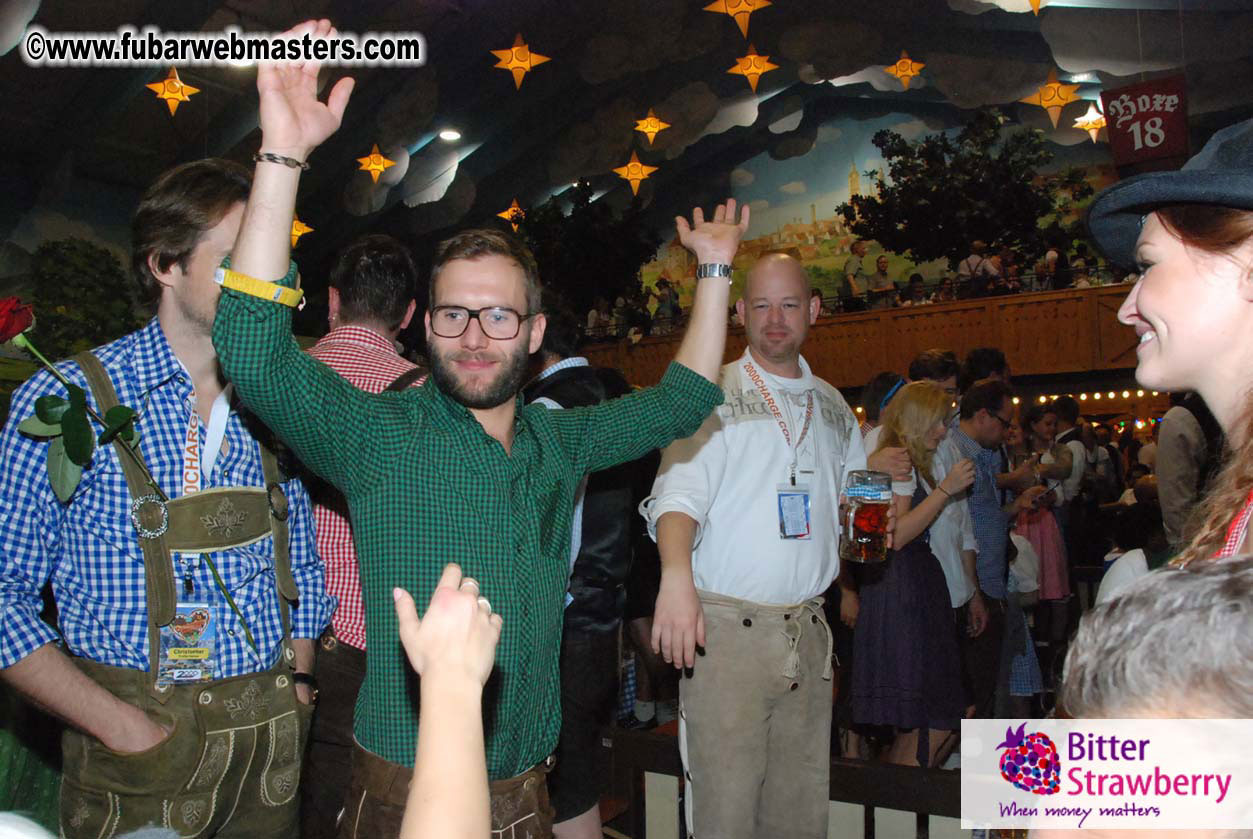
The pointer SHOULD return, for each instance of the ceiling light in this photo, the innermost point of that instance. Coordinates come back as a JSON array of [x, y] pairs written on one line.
[[449, 135]]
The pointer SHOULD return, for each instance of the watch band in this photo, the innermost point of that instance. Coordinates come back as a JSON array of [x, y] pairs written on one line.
[[306, 679], [713, 269], [273, 292]]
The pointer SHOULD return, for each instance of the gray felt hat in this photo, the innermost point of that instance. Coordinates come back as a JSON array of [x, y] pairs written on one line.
[[1220, 174]]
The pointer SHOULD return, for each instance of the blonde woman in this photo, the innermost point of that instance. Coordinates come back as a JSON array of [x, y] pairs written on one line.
[[906, 668]]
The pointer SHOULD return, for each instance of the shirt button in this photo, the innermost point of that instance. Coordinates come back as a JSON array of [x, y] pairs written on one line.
[[794, 686], [748, 622]]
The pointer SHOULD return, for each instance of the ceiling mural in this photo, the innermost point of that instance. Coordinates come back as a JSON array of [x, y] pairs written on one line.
[[467, 136]]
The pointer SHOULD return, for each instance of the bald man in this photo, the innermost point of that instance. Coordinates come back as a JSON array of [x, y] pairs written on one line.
[[745, 517]]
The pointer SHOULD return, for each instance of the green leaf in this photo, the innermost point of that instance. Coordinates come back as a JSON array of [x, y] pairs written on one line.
[[76, 431], [78, 397], [50, 408], [115, 420], [36, 427], [63, 473]]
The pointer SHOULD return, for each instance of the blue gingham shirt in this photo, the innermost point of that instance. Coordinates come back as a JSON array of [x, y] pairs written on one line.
[[90, 550], [991, 523]]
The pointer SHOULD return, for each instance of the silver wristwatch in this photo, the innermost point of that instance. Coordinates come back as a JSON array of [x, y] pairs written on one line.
[[713, 269]]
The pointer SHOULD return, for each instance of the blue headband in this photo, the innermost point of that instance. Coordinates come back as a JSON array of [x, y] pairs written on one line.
[[888, 397]]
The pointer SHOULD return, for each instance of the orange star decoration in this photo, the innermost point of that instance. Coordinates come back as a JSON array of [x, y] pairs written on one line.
[[904, 69], [752, 66], [298, 229], [173, 90], [635, 172], [1053, 96], [738, 9], [1092, 122], [513, 215], [650, 126], [1035, 7], [375, 163], [519, 59]]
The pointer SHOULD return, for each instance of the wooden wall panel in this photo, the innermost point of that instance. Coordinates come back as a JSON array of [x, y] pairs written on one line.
[[1072, 331]]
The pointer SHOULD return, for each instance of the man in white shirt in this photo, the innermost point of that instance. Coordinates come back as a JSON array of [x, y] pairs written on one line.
[[745, 517]]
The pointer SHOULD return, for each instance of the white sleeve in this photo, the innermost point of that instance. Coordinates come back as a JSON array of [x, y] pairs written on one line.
[[854, 454], [691, 472], [906, 488]]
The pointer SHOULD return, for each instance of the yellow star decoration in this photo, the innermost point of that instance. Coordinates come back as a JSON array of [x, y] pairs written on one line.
[[1053, 96], [1035, 7], [375, 163], [513, 215], [519, 59], [1092, 122], [298, 229], [634, 172], [904, 69], [173, 90], [741, 10], [752, 66], [650, 126]]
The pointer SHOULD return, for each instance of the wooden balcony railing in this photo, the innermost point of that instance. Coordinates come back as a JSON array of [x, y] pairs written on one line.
[[1071, 331]]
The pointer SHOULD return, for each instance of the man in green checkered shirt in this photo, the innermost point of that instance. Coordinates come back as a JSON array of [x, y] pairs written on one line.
[[457, 470]]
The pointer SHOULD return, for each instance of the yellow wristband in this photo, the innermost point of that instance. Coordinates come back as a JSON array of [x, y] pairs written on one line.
[[273, 292]]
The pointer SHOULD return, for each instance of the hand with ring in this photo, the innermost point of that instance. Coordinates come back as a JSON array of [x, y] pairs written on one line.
[[457, 635]]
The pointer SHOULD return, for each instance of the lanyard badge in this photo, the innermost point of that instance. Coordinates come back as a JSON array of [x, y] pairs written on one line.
[[792, 498]]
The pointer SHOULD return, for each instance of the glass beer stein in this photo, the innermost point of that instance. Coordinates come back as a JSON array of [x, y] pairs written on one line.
[[864, 517]]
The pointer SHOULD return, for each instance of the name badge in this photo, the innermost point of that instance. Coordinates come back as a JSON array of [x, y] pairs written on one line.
[[188, 645], [793, 511]]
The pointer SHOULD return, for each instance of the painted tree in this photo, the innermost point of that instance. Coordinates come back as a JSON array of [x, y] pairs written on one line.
[[941, 193], [82, 297], [590, 250]]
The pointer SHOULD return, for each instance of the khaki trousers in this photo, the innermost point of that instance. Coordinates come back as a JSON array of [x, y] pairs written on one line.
[[230, 768], [755, 722]]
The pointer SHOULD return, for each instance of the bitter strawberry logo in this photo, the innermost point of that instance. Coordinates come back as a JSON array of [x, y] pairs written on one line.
[[1030, 762]]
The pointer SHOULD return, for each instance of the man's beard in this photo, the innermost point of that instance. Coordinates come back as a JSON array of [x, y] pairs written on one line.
[[506, 385]]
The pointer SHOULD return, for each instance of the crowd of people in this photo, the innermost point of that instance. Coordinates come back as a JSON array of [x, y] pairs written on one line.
[[237, 655]]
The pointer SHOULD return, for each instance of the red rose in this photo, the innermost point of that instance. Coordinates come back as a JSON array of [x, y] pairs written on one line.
[[15, 318]]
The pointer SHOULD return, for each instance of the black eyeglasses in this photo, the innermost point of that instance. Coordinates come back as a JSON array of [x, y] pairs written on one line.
[[1005, 424], [497, 322]]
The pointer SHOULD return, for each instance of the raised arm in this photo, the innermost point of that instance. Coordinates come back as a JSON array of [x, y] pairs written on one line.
[[711, 242], [313, 409]]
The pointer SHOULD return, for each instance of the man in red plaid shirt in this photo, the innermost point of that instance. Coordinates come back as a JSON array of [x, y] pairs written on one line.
[[371, 300]]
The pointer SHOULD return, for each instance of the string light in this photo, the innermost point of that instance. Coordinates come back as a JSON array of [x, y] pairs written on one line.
[[859, 409], [1111, 394], [1096, 395], [1155, 393], [1139, 393], [1126, 394], [1083, 397], [1043, 399], [1015, 400]]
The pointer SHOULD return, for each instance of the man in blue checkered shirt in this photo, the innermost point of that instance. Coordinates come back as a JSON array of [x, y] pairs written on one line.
[[203, 731]]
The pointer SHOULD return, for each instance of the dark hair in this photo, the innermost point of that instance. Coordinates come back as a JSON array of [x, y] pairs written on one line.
[[936, 365], [916, 279], [1135, 525], [375, 278], [1034, 413], [985, 395], [1066, 409], [1208, 227], [472, 244], [981, 363], [177, 210], [876, 390], [561, 335]]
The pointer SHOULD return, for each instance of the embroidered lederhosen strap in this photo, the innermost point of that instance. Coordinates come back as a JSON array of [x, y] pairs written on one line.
[[203, 522]]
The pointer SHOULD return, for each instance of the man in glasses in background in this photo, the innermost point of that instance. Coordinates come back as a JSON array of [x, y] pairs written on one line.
[[456, 470]]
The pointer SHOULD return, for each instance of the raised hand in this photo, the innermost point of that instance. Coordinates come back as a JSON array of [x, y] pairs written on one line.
[[456, 637], [717, 240], [293, 120]]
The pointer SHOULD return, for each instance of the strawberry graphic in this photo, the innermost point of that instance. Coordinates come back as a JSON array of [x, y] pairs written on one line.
[[1030, 762]]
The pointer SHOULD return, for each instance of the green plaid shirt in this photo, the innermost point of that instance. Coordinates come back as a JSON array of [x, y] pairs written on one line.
[[426, 486]]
